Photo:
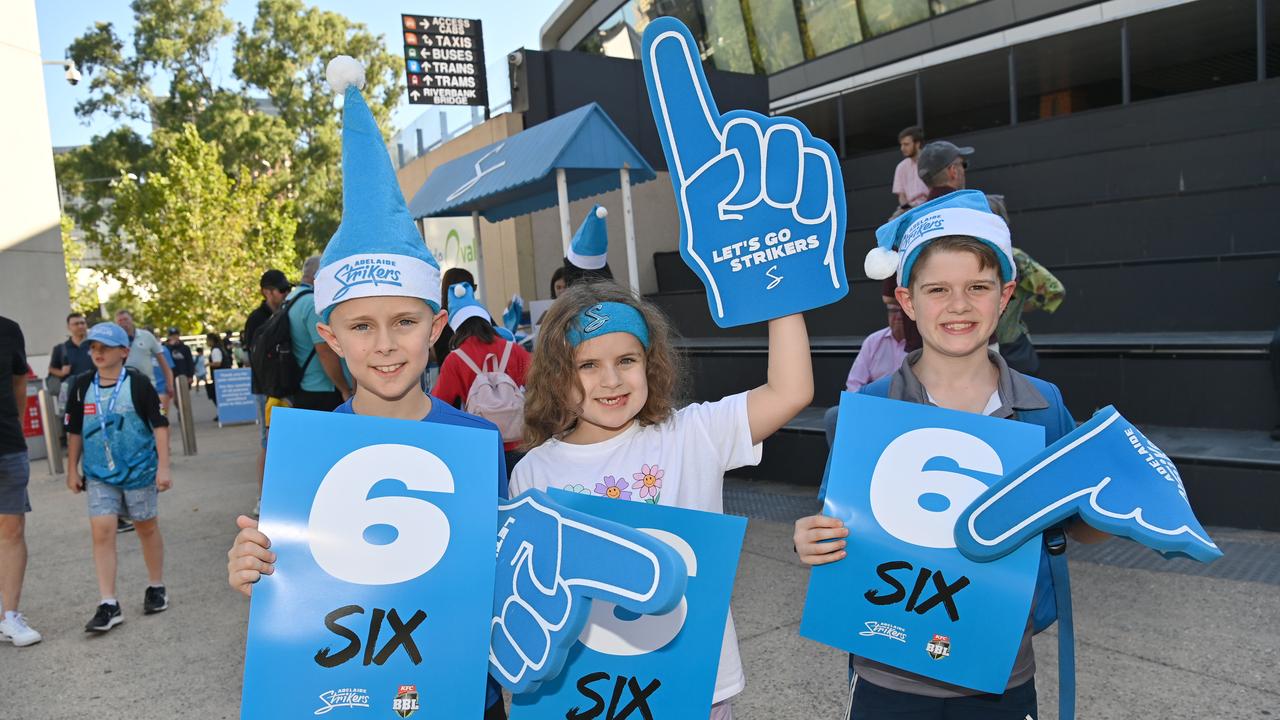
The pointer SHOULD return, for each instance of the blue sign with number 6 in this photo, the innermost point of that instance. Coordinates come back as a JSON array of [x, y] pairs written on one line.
[[384, 535], [900, 475]]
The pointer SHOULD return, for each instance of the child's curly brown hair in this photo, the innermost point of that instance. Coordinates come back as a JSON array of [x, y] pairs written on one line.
[[549, 410]]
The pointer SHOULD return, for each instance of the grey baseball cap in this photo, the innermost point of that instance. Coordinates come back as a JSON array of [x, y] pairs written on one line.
[[937, 155]]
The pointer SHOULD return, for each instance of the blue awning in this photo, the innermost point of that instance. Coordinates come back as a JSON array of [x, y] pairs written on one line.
[[517, 176]]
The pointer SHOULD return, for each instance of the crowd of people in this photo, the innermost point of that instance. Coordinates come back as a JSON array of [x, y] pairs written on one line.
[[594, 409]]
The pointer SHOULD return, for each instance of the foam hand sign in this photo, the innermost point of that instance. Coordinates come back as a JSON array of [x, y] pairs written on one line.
[[625, 665], [1106, 471], [761, 201], [385, 564], [552, 561], [899, 476]]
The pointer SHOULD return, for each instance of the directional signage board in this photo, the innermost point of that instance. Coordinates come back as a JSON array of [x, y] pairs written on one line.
[[444, 61]]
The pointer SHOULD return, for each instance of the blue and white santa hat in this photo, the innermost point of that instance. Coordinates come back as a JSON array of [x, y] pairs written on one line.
[[463, 305], [377, 250], [589, 249], [963, 212]]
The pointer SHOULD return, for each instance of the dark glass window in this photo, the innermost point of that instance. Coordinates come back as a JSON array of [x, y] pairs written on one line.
[[874, 115], [882, 16], [820, 118], [937, 7], [1068, 73], [1273, 38], [727, 44], [966, 95], [1191, 47], [776, 33], [829, 24]]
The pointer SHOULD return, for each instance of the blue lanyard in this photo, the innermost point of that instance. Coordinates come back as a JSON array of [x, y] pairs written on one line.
[[107, 410]]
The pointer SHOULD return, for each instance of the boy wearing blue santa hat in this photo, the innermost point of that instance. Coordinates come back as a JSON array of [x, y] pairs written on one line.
[[378, 297]]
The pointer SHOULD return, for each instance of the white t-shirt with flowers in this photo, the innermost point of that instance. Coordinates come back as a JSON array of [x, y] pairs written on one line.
[[680, 463]]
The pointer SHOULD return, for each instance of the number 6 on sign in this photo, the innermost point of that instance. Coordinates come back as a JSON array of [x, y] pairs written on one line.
[[343, 513], [610, 633]]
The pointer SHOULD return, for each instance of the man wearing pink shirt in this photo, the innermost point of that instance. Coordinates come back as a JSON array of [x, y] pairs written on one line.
[[907, 185], [881, 354]]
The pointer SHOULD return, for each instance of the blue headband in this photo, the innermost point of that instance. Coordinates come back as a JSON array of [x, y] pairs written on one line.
[[608, 317]]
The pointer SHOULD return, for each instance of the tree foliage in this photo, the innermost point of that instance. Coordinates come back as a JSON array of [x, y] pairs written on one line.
[[84, 297], [193, 239], [273, 125]]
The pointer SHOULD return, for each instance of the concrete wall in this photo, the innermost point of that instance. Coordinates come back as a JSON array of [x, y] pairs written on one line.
[[33, 285], [657, 229]]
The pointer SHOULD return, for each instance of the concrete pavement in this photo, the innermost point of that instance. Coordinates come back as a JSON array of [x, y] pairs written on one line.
[[1152, 643]]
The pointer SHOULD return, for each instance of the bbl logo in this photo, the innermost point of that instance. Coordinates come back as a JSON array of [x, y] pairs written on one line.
[[406, 702], [939, 647]]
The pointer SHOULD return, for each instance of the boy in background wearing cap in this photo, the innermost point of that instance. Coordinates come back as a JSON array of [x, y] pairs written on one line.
[[115, 426], [377, 293], [955, 271]]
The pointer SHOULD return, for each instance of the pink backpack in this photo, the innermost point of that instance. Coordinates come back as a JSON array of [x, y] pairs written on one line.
[[494, 395]]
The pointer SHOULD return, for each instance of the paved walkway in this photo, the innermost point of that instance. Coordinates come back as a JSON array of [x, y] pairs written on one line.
[[1155, 640]]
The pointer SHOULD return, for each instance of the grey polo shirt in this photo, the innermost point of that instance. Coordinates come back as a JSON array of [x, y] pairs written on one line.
[[1016, 393], [142, 350]]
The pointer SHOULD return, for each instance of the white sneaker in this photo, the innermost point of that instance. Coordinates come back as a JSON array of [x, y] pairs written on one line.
[[18, 632]]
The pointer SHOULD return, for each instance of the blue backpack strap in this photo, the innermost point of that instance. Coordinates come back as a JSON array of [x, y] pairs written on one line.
[[1056, 421], [1056, 545]]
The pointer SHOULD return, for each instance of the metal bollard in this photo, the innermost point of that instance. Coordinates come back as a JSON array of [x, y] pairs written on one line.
[[52, 425], [182, 396]]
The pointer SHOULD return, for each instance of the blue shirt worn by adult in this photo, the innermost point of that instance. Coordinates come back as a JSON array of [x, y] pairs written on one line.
[[305, 337], [446, 414], [70, 354]]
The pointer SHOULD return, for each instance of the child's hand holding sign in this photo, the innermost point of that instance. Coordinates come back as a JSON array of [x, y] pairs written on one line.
[[761, 201]]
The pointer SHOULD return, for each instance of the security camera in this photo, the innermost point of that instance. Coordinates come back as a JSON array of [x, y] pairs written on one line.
[[73, 75], [516, 58]]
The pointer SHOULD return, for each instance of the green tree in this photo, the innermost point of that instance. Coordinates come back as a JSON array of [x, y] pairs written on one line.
[[274, 123], [84, 297], [193, 239]]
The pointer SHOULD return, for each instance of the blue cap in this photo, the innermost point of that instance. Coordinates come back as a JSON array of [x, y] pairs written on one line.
[[589, 249], [463, 305], [109, 334], [963, 212], [377, 250]]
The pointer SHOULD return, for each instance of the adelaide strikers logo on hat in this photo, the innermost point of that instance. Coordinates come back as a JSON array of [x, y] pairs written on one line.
[[926, 224], [379, 271]]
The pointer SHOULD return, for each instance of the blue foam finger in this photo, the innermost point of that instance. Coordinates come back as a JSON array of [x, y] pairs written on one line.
[[761, 223], [552, 561], [1108, 473]]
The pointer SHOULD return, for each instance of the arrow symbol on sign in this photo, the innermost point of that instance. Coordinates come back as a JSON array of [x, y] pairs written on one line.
[[413, 95], [424, 23]]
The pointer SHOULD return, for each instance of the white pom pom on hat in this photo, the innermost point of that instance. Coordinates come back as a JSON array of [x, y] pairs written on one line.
[[601, 211], [344, 71], [881, 263]]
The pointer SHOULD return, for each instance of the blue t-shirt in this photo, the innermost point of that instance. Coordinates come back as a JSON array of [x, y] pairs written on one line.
[[305, 337], [161, 386], [446, 414]]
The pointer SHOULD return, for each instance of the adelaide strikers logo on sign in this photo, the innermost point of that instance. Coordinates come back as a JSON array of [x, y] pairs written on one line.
[[406, 702]]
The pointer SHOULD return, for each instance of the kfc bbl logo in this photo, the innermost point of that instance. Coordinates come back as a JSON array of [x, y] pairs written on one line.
[[939, 647], [406, 702]]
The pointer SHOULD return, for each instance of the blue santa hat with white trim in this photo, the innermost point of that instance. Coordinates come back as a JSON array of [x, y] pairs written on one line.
[[377, 250], [463, 305], [589, 248], [964, 212]]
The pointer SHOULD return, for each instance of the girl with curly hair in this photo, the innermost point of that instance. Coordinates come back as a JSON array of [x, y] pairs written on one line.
[[601, 416]]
